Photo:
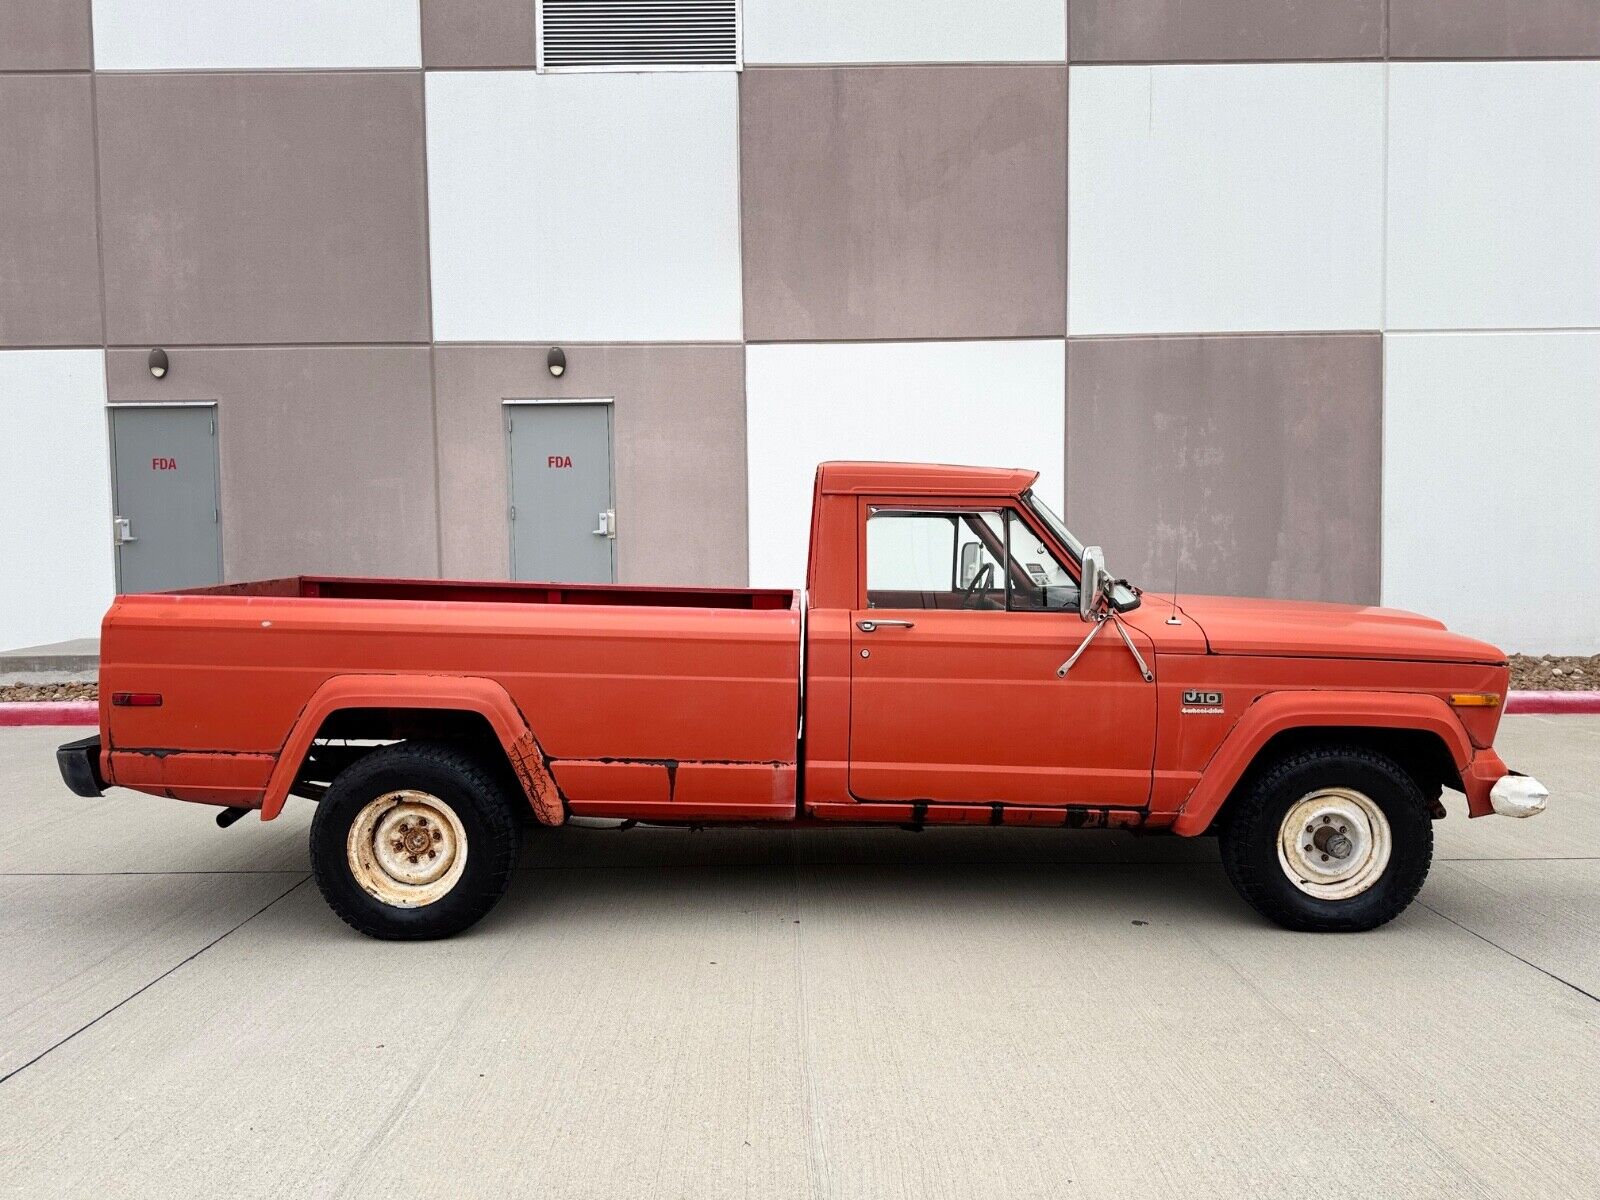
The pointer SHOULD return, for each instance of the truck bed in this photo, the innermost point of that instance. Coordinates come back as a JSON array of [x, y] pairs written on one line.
[[327, 587], [644, 701]]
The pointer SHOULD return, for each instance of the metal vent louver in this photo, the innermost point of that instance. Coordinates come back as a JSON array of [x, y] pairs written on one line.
[[638, 35]]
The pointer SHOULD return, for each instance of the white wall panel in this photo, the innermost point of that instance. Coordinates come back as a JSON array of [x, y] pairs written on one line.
[[987, 404], [157, 35], [584, 207], [883, 31], [1494, 195], [1225, 197], [1491, 501], [56, 570]]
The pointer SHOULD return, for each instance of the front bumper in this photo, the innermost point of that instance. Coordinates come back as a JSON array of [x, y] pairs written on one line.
[[1518, 796], [79, 763]]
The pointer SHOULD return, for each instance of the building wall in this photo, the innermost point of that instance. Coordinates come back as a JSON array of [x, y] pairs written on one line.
[[1283, 298]]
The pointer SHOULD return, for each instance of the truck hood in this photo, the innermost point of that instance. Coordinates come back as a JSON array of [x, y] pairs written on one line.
[[1304, 629]]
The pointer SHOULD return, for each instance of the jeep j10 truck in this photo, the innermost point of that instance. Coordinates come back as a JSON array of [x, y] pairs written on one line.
[[957, 658]]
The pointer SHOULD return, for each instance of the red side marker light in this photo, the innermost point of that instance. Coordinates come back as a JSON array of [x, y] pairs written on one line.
[[136, 699]]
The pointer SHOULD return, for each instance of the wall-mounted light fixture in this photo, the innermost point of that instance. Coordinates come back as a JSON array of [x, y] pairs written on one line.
[[158, 363], [556, 360]]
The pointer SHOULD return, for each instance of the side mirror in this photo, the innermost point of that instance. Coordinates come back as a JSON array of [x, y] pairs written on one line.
[[1092, 582], [969, 562]]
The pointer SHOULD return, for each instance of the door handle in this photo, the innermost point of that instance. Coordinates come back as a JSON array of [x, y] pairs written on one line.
[[608, 524], [869, 626], [122, 531]]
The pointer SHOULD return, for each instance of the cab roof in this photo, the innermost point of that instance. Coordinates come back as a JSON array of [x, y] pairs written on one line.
[[918, 479]]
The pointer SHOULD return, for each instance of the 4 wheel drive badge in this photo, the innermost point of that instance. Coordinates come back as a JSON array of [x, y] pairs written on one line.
[[1202, 702]]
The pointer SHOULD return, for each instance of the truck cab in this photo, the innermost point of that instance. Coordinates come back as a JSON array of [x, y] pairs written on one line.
[[956, 657]]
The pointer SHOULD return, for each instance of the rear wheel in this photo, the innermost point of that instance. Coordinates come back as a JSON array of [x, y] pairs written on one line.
[[414, 841], [1330, 839]]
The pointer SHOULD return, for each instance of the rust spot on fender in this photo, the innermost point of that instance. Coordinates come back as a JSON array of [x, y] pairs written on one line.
[[528, 761]]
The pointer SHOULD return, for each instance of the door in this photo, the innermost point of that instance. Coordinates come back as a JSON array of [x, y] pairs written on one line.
[[563, 520], [965, 617], [167, 524]]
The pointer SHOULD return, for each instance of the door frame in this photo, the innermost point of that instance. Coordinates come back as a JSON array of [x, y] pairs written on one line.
[[509, 402], [216, 475]]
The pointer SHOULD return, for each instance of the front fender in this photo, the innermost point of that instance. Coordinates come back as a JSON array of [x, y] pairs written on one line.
[[1278, 712], [444, 692]]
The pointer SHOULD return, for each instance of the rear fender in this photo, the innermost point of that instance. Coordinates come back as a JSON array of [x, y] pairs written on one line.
[[1278, 712], [443, 692]]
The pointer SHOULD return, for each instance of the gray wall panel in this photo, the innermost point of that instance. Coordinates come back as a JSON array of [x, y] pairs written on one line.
[[326, 453], [904, 202], [1253, 464], [49, 266], [1494, 28], [679, 450], [44, 35], [477, 33], [284, 207], [1223, 30]]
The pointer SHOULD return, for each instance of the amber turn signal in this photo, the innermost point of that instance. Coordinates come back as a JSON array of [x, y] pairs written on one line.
[[1474, 700]]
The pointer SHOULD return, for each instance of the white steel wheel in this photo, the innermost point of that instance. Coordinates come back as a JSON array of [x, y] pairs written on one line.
[[406, 848], [1334, 843]]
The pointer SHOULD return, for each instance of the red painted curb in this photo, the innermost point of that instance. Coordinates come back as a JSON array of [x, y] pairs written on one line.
[[50, 712], [1553, 702]]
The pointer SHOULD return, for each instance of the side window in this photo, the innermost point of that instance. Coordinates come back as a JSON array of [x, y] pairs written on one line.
[[930, 559], [979, 559], [1039, 583]]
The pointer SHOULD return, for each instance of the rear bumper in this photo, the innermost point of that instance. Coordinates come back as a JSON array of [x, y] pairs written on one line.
[[79, 763]]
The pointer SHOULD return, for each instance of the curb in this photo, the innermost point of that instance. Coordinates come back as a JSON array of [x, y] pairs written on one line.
[[87, 712], [1553, 702], [50, 712]]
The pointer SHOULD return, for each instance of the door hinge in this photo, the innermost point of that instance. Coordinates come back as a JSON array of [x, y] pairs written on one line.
[[513, 512], [216, 516]]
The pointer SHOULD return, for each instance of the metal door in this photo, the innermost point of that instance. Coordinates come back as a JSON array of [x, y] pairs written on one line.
[[563, 522], [167, 526]]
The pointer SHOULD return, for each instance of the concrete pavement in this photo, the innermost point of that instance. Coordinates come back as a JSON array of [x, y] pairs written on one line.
[[961, 1013]]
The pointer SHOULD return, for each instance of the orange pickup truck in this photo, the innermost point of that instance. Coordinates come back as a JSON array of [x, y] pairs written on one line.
[[957, 657]]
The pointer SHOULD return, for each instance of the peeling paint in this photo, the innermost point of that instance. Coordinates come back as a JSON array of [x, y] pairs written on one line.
[[528, 761]]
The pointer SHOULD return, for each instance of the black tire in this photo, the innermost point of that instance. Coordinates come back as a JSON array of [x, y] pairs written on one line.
[[477, 798], [1251, 829]]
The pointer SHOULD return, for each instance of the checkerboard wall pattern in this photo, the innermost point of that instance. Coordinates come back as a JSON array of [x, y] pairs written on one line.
[[1282, 299]]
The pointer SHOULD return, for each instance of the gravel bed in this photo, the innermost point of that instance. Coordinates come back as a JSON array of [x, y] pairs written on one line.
[[1555, 673], [1529, 673], [48, 691]]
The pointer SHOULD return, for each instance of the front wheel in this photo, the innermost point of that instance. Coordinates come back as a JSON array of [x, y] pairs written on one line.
[[414, 841], [1329, 839]]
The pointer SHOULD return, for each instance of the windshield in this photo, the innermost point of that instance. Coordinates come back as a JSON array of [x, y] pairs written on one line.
[[1054, 524], [1123, 596]]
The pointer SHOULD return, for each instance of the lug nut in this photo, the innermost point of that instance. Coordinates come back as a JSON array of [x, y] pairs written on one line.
[[437, 836], [414, 857], [433, 854]]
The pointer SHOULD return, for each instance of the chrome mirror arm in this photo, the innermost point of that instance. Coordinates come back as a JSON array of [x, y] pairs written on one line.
[[1149, 676], [1100, 621], [1099, 624]]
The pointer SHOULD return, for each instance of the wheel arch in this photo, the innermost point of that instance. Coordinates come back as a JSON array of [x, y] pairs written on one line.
[[471, 709], [1418, 731]]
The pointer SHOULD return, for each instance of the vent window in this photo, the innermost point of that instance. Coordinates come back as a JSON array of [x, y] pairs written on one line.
[[638, 35]]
